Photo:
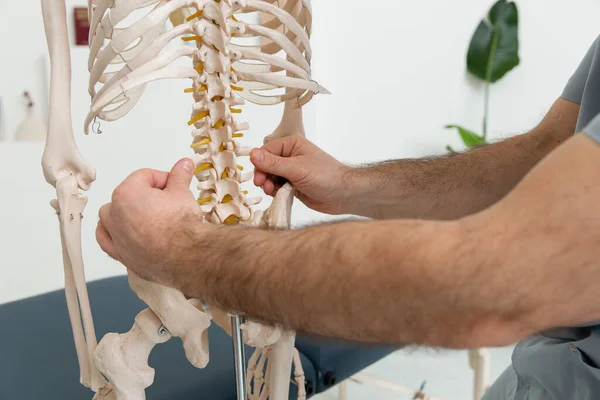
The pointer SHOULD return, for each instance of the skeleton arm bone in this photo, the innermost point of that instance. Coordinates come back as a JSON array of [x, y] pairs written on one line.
[[65, 169], [61, 157]]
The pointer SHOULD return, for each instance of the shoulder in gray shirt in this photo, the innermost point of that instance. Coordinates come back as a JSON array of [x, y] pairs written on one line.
[[562, 364]]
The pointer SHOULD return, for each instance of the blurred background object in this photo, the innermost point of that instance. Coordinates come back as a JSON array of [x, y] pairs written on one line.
[[2, 138], [493, 52], [33, 128]]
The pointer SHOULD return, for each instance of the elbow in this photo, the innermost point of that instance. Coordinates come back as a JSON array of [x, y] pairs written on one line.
[[492, 331]]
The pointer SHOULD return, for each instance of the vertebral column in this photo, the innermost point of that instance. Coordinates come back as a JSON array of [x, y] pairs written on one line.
[[221, 198]]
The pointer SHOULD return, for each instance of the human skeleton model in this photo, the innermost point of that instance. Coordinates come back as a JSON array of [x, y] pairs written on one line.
[[123, 59]]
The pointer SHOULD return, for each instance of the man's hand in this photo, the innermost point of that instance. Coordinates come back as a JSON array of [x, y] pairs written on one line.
[[321, 180], [144, 225]]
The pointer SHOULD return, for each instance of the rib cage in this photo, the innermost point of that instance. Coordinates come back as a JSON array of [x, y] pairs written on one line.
[[138, 54]]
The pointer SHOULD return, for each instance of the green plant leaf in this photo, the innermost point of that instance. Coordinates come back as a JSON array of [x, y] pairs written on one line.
[[469, 138], [494, 48]]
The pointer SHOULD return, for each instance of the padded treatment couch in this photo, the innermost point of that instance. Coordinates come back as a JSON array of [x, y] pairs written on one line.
[[38, 359]]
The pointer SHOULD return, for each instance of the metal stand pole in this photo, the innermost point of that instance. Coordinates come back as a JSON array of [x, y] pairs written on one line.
[[239, 357]]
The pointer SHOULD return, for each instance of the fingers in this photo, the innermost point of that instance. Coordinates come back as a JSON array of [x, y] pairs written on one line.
[[259, 178], [269, 187], [104, 240], [269, 183], [181, 176], [288, 146], [104, 215], [273, 164]]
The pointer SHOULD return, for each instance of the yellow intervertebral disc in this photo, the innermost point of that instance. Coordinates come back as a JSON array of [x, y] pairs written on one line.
[[235, 110], [200, 66], [240, 167], [237, 135], [219, 124], [204, 200], [237, 88]]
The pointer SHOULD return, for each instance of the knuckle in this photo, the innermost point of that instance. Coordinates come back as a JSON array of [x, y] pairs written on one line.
[[275, 162], [119, 193]]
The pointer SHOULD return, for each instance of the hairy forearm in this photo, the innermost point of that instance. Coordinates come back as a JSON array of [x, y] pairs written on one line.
[[445, 187], [387, 281], [453, 186]]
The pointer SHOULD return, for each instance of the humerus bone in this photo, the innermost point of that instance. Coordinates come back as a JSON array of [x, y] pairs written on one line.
[[124, 358]]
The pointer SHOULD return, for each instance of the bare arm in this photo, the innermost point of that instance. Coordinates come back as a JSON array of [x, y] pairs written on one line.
[[445, 187], [527, 264]]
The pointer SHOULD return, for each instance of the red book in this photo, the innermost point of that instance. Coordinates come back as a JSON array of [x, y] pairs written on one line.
[[82, 26]]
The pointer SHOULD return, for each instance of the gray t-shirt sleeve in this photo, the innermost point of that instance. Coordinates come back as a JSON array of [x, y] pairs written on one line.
[[592, 129], [575, 87], [583, 88]]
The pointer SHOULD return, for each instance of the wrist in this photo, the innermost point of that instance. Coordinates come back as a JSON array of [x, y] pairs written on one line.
[[201, 257], [357, 191]]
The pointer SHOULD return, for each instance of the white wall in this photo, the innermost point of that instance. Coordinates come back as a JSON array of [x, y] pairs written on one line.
[[397, 76]]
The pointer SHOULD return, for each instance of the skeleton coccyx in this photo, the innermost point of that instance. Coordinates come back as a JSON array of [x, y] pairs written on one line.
[[123, 60]]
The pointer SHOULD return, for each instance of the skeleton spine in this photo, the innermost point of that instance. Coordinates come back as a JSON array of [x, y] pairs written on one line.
[[221, 199]]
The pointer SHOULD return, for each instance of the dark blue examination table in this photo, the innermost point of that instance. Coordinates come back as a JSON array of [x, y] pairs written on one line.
[[38, 359]]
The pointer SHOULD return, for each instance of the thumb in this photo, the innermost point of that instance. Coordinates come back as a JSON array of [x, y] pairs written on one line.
[[270, 163], [181, 175]]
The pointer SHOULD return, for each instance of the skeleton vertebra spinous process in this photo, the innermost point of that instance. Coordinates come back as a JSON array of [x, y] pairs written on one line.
[[223, 74]]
